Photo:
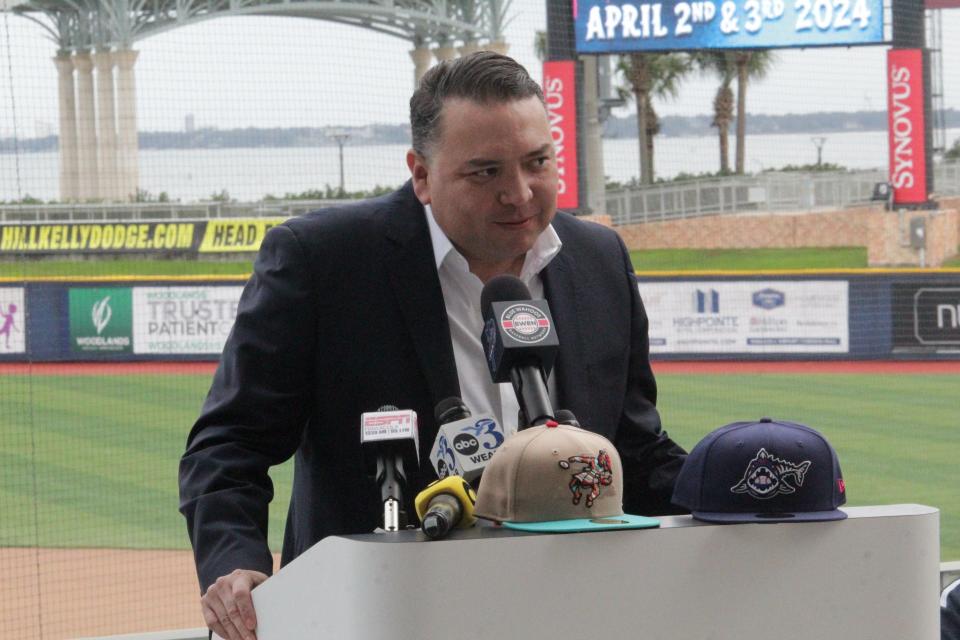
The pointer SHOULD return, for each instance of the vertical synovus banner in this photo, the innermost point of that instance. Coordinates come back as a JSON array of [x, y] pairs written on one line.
[[908, 156], [560, 92]]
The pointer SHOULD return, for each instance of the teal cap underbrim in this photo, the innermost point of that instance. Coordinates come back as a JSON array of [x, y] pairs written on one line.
[[586, 524]]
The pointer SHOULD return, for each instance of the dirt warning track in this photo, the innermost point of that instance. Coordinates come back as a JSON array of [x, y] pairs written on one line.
[[810, 366], [55, 594], [105, 368], [717, 367]]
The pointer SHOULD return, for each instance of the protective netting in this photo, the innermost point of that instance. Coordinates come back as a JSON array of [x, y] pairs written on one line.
[[137, 178]]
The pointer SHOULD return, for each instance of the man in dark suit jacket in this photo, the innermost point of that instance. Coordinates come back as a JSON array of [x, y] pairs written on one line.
[[345, 312], [950, 612]]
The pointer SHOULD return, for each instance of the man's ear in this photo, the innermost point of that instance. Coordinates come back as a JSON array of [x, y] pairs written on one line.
[[419, 173]]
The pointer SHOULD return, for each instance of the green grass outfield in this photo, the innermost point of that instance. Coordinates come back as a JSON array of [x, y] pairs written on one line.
[[645, 260], [91, 461], [749, 259], [124, 267]]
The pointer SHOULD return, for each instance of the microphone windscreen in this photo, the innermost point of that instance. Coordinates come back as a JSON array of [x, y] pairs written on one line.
[[449, 410], [454, 486], [564, 416], [503, 288]]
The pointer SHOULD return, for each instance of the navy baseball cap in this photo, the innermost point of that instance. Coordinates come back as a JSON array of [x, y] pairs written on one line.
[[764, 471]]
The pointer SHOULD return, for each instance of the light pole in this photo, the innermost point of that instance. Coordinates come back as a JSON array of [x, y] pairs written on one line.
[[819, 141], [340, 137]]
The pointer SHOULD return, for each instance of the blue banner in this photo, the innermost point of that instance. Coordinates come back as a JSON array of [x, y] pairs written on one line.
[[605, 26]]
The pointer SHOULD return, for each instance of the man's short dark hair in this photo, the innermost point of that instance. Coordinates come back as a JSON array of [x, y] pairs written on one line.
[[482, 77]]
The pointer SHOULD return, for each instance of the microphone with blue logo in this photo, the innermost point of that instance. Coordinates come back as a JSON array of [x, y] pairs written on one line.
[[464, 443], [520, 344]]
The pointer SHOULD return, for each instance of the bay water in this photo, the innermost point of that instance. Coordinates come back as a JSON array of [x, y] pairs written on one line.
[[249, 174]]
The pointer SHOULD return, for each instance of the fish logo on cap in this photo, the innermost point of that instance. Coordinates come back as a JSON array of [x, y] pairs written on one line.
[[768, 476]]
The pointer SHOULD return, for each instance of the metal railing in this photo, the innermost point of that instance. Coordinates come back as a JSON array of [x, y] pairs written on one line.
[[946, 178], [136, 211], [767, 192]]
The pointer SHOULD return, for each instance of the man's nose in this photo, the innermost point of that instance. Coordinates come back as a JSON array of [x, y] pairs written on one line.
[[516, 189]]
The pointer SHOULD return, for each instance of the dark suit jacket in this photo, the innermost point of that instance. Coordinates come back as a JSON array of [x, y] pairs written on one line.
[[344, 313], [950, 612]]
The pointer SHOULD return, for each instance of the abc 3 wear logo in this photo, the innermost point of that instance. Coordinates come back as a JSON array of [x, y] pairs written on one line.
[[525, 323], [483, 434], [466, 444]]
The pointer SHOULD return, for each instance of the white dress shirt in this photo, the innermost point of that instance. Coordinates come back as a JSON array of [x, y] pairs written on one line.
[[461, 297]]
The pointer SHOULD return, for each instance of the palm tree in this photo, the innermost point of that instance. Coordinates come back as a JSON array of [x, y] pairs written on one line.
[[651, 75], [540, 45], [750, 64], [722, 64]]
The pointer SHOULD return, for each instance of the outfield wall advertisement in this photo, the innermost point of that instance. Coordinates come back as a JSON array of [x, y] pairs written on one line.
[[926, 317], [758, 317], [13, 312], [99, 238], [100, 320], [170, 320], [804, 316], [183, 320], [232, 236], [235, 235]]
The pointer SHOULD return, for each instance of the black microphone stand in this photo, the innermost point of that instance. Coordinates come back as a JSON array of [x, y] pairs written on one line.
[[531, 389], [391, 477]]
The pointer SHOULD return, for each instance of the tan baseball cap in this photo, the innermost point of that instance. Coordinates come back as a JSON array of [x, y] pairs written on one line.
[[556, 478]]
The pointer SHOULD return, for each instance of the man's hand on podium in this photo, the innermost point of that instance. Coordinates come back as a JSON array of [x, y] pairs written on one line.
[[228, 607]]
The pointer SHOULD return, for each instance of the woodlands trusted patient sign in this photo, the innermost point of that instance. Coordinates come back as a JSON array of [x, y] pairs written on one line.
[[604, 26]]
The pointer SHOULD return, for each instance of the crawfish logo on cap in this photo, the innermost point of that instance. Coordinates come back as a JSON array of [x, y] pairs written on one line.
[[768, 476], [597, 472]]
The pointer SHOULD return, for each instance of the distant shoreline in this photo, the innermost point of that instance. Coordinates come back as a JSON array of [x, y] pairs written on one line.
[[381, 134]]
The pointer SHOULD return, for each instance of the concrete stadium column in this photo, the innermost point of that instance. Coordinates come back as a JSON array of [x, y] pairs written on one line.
[[422, 57], [596, 201], [89, 177], [499, 46], [470, 47], [445, 53], [107, 128], [68, 128], [127, 144]]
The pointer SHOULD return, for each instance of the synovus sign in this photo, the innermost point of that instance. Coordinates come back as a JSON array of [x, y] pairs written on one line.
[[908, 167]]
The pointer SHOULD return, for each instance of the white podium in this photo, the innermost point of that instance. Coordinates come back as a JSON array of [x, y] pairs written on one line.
[[873, 576]]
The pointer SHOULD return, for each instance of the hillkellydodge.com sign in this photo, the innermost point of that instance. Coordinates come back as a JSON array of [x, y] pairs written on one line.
[[101, 320], [236, 235]]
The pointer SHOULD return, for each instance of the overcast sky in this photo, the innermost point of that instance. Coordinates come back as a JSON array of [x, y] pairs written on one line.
[[265, 71]]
